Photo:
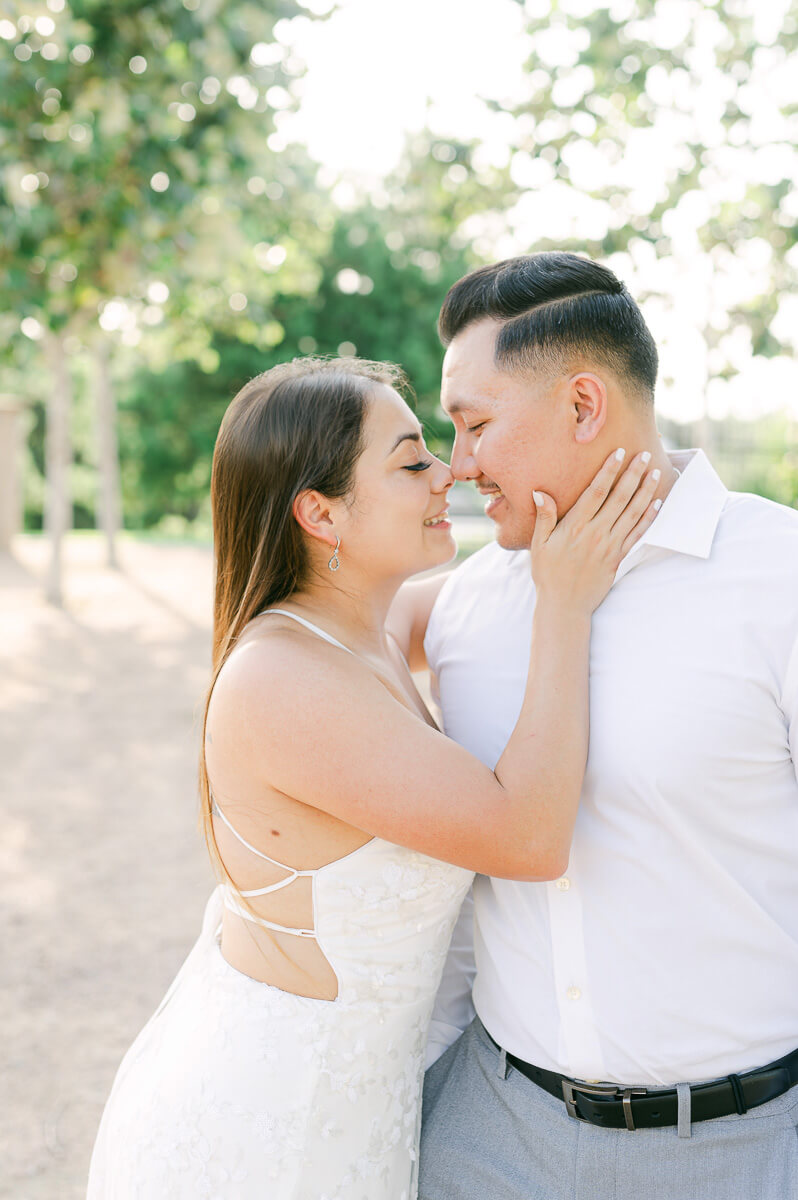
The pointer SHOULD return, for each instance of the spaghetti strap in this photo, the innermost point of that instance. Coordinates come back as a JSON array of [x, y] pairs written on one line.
[[328, 637]]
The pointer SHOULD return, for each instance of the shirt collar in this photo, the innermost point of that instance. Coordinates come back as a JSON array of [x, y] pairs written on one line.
[[689, 517]]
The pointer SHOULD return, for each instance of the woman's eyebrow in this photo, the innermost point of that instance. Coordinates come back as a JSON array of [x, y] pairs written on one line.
[[403, 437]]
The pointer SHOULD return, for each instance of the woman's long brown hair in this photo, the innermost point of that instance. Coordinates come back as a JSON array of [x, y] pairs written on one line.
[[297, 426]]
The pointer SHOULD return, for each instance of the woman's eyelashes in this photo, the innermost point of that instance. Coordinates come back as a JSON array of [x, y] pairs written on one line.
[[475, 428], [419, 466]]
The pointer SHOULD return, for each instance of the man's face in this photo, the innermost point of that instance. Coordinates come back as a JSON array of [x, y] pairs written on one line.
[[514, 433]]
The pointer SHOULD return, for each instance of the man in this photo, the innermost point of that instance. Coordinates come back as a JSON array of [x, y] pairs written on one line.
[[667, 955]]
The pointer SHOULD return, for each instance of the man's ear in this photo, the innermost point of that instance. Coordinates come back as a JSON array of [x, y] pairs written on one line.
[[589, 399], [312, 513]]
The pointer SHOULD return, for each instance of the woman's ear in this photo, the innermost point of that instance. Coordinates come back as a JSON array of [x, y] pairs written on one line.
[[589, 399], [312, 513]]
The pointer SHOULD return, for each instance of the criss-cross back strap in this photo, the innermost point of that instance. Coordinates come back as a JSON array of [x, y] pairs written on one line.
[[293, 873], [232, 902], [231, 894]]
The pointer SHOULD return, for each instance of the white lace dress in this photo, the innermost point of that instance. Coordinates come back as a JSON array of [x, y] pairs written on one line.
[[236, 1090]]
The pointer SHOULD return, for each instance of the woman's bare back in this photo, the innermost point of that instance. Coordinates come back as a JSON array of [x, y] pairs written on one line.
[[252, 818]]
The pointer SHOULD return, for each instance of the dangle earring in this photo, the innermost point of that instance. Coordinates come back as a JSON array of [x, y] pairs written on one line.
[[334, 562]]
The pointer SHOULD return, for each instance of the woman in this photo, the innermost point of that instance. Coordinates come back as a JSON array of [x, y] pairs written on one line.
[[286, 1059]]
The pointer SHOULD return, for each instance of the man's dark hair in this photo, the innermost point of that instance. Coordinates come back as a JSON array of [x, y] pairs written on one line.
[[553, 306]]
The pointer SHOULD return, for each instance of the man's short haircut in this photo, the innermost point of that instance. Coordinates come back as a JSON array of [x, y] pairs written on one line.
[[554, 307]]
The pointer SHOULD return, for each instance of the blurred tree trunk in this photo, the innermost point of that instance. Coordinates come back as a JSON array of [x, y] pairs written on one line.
[[10, 490], [57, 512], [108, 499]]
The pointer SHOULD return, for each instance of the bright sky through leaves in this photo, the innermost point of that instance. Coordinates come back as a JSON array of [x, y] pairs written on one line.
[[378, 71]]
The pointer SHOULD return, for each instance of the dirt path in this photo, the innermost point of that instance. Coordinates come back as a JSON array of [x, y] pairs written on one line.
[[102, 870]]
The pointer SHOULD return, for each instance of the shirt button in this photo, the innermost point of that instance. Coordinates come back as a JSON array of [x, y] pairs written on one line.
[[574, 993], [563, 884]]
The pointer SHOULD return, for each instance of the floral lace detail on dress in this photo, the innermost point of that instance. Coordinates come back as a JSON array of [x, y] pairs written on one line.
[[236, 1090]]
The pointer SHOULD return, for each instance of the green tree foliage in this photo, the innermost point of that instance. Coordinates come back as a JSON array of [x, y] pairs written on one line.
[[375, 293], [657, 136], [131, 138], [369, 277], [117, 119], [662, 137]]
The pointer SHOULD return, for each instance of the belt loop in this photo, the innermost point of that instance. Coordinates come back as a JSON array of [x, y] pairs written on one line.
[[683, 1098], [502, 1068], [737, 1091]]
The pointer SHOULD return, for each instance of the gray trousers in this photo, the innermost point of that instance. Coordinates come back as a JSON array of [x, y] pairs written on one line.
[[489, 1133]]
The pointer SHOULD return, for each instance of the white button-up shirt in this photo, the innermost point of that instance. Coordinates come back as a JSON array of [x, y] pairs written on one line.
[[668, 951]]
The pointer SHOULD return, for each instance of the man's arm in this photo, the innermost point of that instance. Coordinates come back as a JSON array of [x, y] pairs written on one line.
[[454, 1009], [409, 615]]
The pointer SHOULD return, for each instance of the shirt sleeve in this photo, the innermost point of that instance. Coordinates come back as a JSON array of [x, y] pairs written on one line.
[[454, 1009], [789, 705]]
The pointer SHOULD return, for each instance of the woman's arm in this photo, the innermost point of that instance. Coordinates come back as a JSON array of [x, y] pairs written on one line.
[[318, 725]]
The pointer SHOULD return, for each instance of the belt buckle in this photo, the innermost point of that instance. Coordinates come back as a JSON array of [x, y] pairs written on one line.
[[607, 1090]]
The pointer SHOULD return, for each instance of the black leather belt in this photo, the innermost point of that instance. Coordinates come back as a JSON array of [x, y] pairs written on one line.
[[616, 1107]]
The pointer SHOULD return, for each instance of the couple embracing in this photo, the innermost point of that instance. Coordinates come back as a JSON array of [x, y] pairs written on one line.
[[579, 901]]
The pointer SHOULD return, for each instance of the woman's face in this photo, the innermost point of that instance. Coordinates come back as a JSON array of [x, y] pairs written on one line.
[[396, 522]]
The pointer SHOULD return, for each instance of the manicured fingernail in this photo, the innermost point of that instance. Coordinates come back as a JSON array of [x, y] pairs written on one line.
[[645, 457], [658, 505], [656, 474], [538, 498], [620, 455]]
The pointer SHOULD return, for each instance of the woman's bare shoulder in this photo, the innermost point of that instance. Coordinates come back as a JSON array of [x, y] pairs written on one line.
[[270, 671]]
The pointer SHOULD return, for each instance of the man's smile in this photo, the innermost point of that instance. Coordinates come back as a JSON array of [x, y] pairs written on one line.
[[494, 499]]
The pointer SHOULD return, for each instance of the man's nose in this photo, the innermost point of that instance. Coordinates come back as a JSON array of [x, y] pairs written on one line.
[[442, 478], [464, 464]]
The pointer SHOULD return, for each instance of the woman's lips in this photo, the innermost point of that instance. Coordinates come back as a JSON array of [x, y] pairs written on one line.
[[439, 521]]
